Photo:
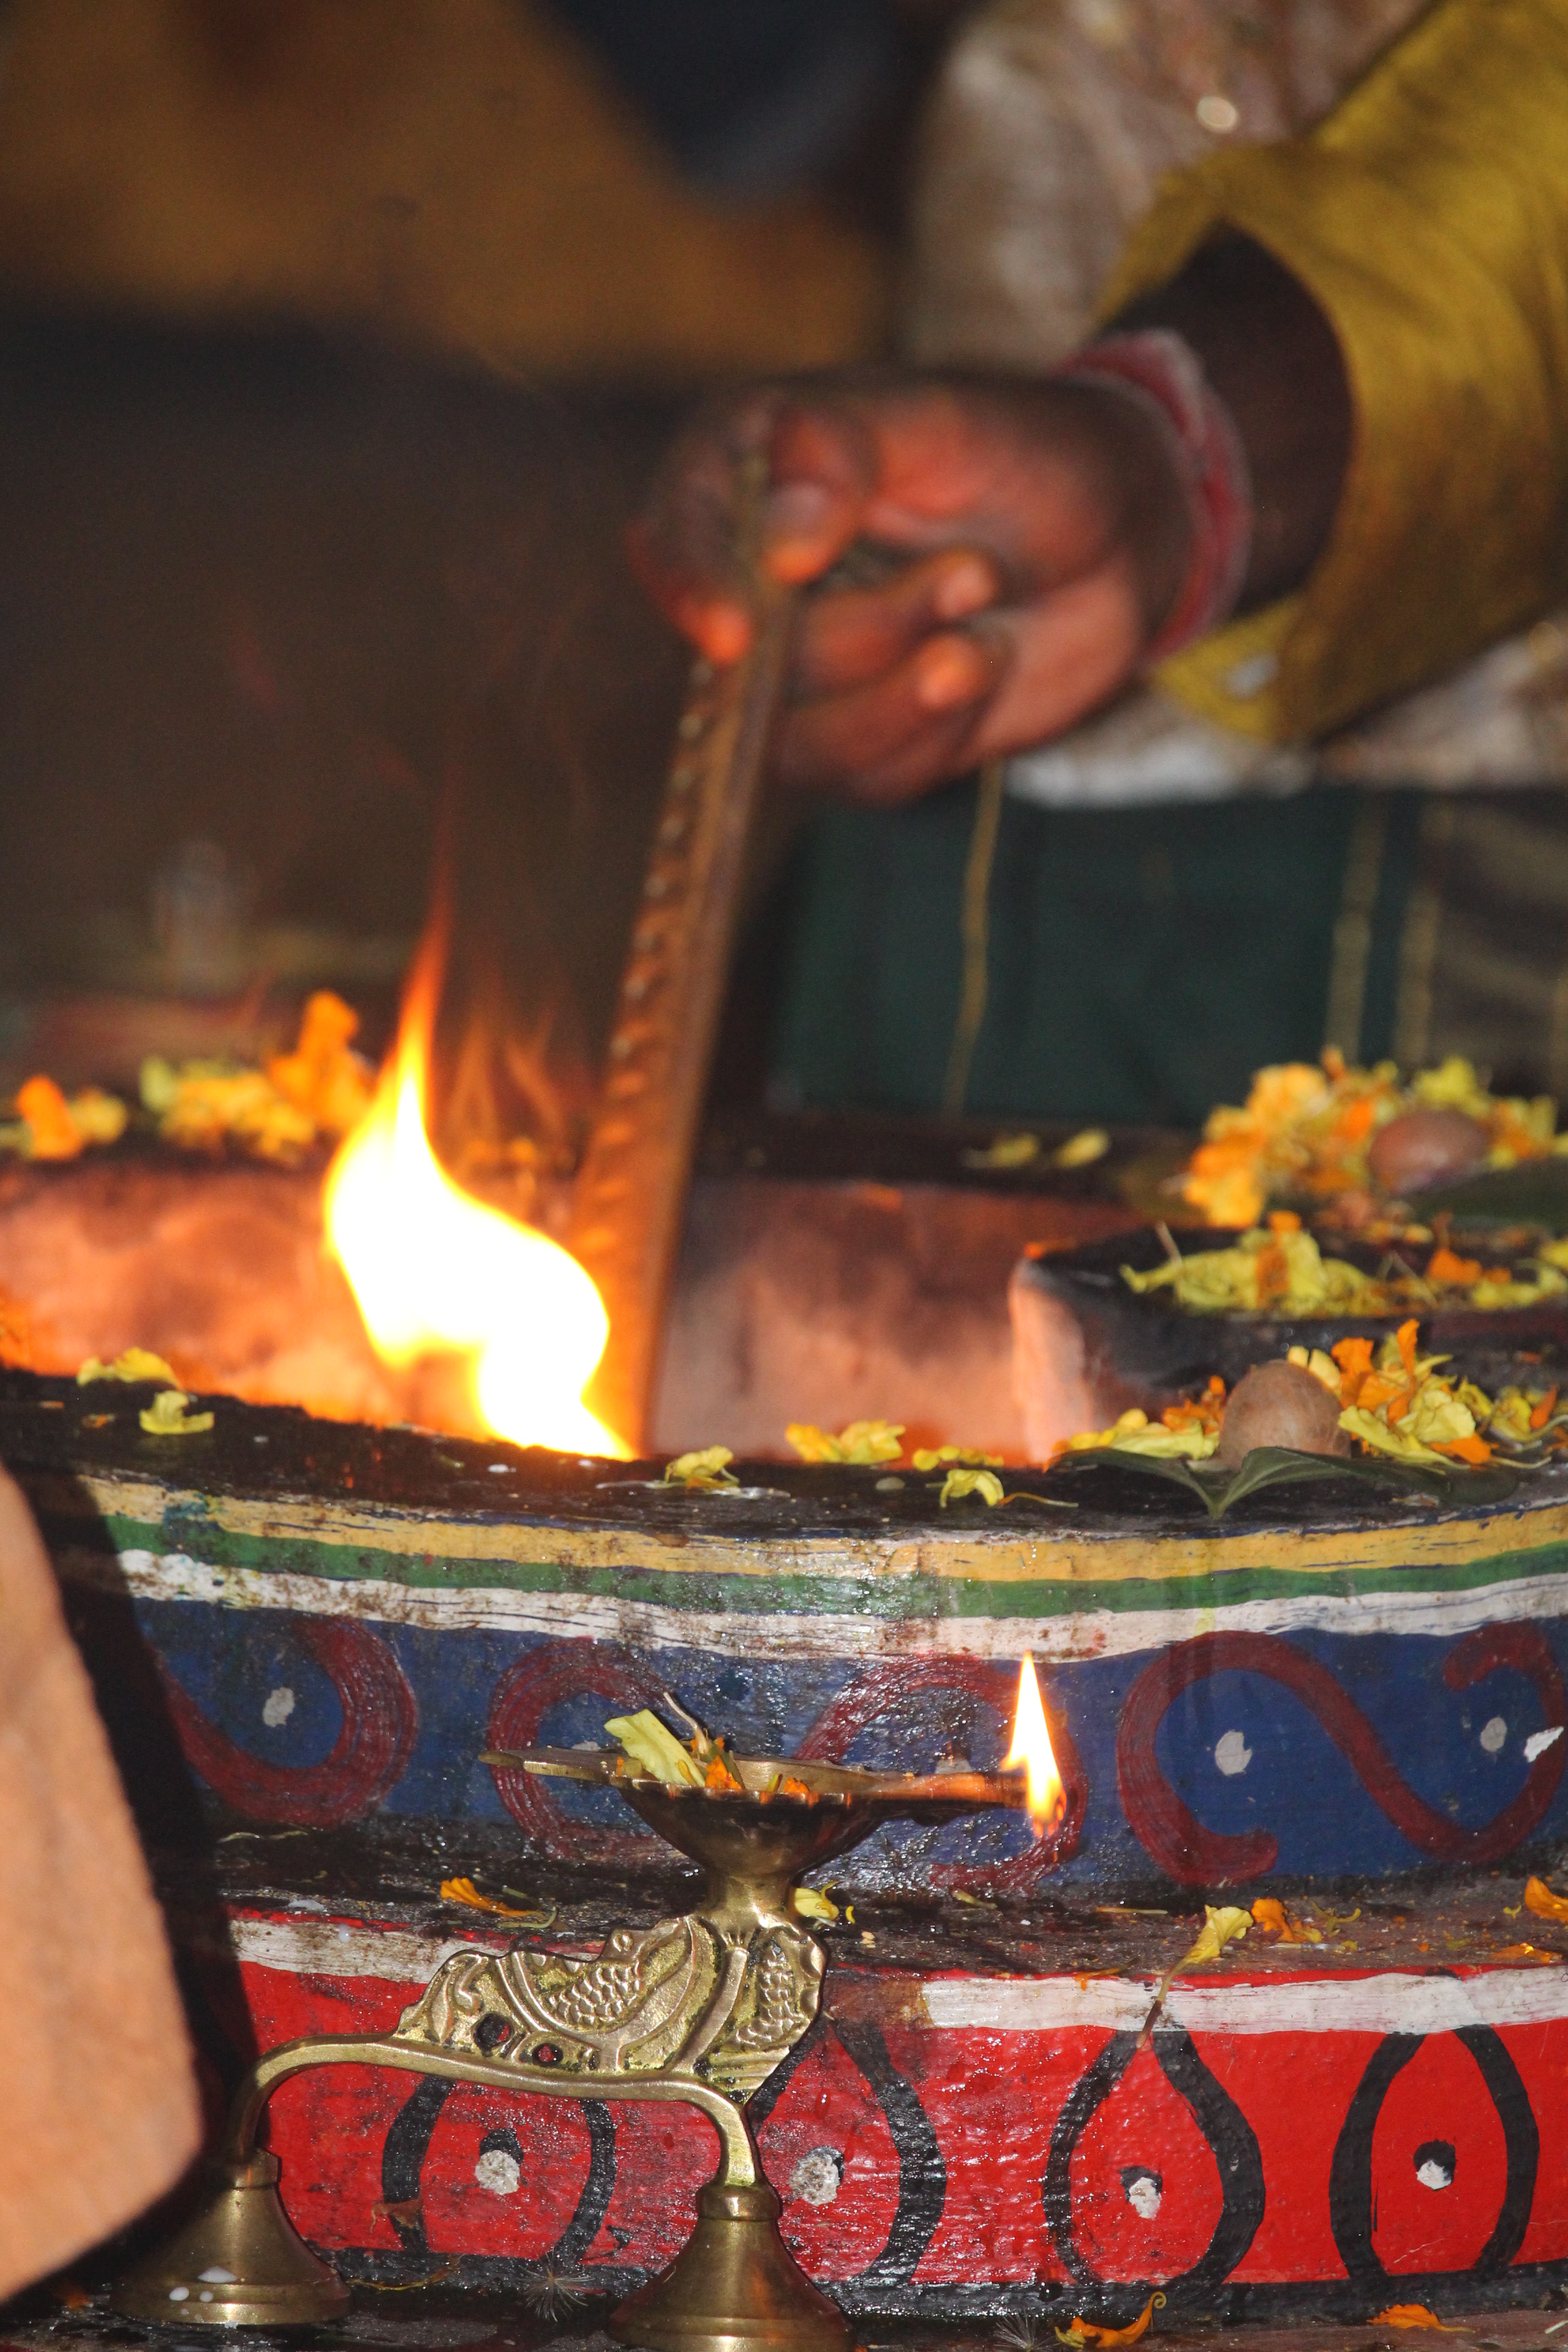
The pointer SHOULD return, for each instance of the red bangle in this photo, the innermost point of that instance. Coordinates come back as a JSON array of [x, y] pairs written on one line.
[[1162, 372]]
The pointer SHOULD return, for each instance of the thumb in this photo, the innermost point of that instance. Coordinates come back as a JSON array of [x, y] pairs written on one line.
[[824, 465]]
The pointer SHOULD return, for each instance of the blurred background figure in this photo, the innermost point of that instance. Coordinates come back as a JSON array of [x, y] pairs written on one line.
[[342, 339], [1154, 899]]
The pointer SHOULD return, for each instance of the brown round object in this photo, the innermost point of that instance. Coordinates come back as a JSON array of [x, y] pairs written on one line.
[[1280, 1404], [1422, 1147]]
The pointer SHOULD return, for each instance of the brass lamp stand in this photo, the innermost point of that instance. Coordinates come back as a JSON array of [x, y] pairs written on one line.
[[698, 2008]]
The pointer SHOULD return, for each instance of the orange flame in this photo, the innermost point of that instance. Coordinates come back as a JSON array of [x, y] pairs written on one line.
[[1032, 1751], [434, 1270]]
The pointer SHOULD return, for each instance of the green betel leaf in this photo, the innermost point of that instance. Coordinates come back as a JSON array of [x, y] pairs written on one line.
[[1533, 1192], [1171, 1467], [1460, 1485], [1282, 1465]]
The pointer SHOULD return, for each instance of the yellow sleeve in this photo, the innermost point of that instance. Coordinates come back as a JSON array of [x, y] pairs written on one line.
[[1428, 217]]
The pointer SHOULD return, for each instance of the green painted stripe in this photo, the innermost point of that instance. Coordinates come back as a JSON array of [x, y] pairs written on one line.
[[891, 1599]]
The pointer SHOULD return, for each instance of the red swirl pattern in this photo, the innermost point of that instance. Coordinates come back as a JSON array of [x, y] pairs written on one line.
[[888, 1689], [540, 1680], [381, 1717], [1196, 1856]]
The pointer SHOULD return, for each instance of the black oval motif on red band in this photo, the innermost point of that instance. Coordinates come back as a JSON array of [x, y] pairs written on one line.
[[1231, 2140], [1351, 2193], [407, 2145]]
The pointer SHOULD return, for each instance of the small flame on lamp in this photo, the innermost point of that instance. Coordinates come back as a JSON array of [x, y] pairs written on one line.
[[1045, 1799], [434, 1270]]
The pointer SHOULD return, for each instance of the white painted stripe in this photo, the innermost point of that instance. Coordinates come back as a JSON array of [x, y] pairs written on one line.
[[576, 1616], [1390, 2003], [324, 1948]]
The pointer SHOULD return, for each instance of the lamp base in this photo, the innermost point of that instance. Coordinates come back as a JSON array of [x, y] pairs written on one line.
[[238, 2261], [733, 2287]]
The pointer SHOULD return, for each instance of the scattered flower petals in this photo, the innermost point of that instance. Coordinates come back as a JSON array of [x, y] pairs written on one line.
[[321, 1078], [1269, 1914], [1084, 2336], [1134, 1432], [1308, 1130], [1540, 1898], [933, 1457], [861, 1441], [464, 1890]]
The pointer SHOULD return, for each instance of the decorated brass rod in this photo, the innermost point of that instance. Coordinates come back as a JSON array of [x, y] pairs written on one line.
[[630, 1194], [738, 2165]]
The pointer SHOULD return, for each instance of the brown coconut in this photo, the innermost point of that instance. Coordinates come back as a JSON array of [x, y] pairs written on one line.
[[1423, 1147], [1279, 1403]]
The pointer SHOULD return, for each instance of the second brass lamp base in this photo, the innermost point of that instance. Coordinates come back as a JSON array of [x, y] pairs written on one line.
[[698, 2010]]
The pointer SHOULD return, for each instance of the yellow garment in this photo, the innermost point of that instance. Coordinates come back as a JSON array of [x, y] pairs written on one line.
[[1428, 217]]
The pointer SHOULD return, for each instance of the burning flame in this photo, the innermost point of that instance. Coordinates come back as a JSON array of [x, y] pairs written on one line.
[[434, 1270], [1031, 1750]]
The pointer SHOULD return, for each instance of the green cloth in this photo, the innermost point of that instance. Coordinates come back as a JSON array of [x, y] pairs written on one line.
[[1143, 962]]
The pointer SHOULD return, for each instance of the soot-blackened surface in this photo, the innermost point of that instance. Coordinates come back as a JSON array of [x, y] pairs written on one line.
[[390, 1872], [283, 1453]]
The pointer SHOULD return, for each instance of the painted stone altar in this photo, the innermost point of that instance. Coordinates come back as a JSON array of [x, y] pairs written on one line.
[[302, 1635]]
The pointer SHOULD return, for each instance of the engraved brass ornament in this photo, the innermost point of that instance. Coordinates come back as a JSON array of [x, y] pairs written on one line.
[[698, 2010]]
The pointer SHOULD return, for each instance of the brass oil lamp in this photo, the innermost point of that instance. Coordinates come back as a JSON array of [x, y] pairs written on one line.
[[699, 2008]]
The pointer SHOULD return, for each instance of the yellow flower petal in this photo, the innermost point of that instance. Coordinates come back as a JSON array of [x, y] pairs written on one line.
[[861, 1441], [98, 1118], [1005, 1152], [812, 1904], [1222, 1925], [960, 1483], [166, 1417], [933, 1457], [1082, 1151], [134, 1364], [705, 1467], [653, 1745]]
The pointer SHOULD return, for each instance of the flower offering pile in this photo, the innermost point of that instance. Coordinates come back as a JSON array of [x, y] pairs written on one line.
[[279, 1113], [1277, 1268], [1385, 1400], [1330, 1133]]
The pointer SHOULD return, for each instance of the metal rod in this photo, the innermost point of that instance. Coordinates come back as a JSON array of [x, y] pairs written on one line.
[[737, 2166], [630, 1195]]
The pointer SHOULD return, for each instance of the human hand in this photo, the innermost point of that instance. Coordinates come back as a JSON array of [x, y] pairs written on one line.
[[989, 560]]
